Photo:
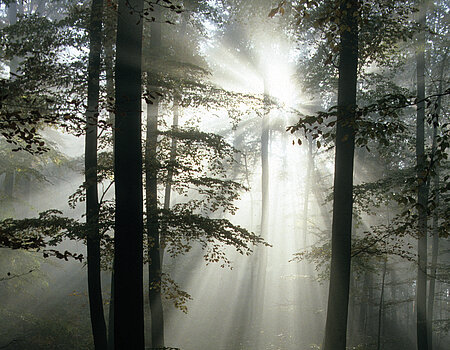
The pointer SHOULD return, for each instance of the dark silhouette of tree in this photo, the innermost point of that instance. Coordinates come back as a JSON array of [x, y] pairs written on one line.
[[422, 194], [92, 204], [128, 236], [336, 324]]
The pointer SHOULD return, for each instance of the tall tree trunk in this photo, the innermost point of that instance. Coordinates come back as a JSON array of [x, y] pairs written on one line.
[[260, 257], [151, 191], [128, 259], [336, 323], [92, 206], [109, 35], [265, 165], [380, 306], [422, 196], [433, 268], [435, 232], [154, 268]]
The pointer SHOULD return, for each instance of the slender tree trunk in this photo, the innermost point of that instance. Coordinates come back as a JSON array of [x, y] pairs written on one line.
[[307, 191], [380, 306], [128, 260], [92, 206], [151, 190], [433, 268], [336, 323], [435, 232], [40, 7], [363, 311], [154, 268], [265, 166], [109, 36], [173, 152], [8, 184], [12, 19], [422, 197], [172, 159], [260, 257]]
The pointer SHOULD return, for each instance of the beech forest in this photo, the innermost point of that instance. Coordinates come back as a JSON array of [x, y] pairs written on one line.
[[224, 175]]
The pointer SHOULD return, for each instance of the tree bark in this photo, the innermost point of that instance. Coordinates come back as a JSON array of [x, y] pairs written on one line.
[[92, 206], [336, 323], [128, 259], [422, 195]]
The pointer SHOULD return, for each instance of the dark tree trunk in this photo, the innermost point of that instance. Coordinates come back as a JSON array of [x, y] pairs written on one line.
[[92, 206], [336, 323], [128, 260], [111, 315], [151, 191], [422, 196]]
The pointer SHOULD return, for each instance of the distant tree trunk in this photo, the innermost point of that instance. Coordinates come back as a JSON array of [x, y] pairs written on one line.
[[151, 191], [422, 196], [40, 7], [336, 323], [363, 311], [433, 268], [172, 159], [154, 268], [265, 166], [92, 206], [394, 288], [307, 191], [173, 152], [435, 232], [128, 261], [12, 19], [380, 306], [8, 184]]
